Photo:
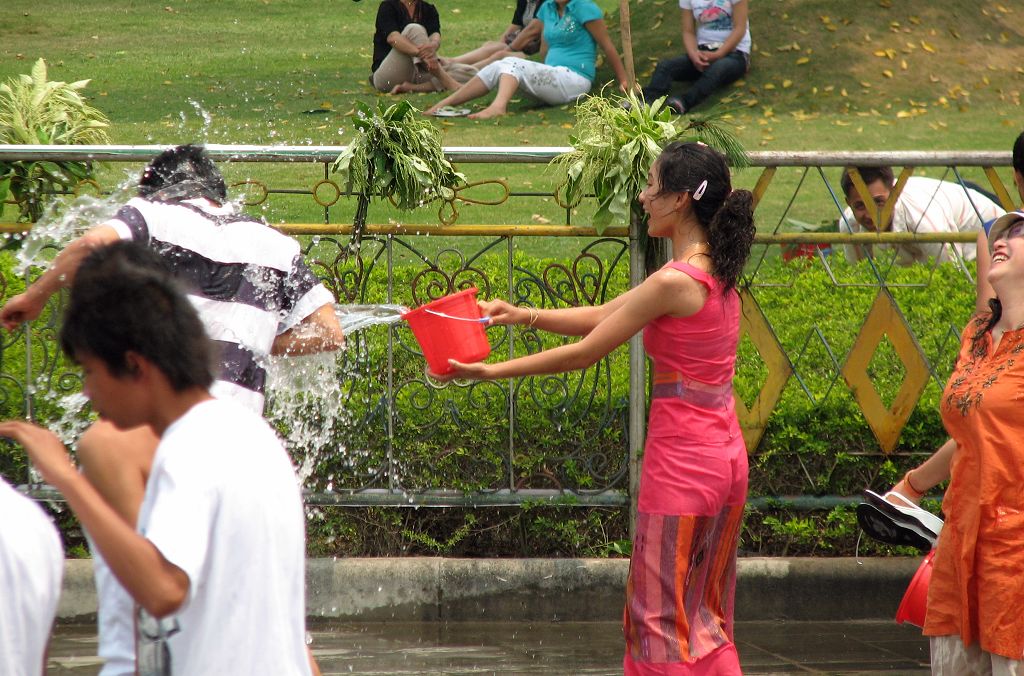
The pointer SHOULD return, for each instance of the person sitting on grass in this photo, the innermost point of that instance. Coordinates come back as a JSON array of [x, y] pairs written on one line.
[[568, 69], [716, 34], [406, 38], [216, 564]]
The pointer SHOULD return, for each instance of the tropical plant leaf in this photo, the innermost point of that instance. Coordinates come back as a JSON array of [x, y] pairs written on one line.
[[34, 110]]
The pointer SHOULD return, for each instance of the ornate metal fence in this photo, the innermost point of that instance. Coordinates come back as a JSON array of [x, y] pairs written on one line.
[[575, 438]]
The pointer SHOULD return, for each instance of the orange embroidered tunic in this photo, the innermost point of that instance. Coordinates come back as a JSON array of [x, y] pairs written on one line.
[[977, 584]]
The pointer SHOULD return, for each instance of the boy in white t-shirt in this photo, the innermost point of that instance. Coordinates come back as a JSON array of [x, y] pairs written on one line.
[[217, 568], [31, 568]]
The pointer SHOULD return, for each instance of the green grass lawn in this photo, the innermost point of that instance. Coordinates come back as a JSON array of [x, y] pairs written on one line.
[[825, 76]]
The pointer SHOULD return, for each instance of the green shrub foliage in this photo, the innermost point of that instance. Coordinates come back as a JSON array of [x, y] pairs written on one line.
[[816, 443]]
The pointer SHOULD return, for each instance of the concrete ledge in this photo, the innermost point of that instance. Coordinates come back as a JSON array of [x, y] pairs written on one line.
[[438, 589]]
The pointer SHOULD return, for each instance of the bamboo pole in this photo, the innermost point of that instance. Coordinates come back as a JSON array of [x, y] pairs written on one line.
[[627, 43]]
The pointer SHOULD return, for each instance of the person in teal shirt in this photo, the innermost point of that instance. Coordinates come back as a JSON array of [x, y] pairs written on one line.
[[572, 32]]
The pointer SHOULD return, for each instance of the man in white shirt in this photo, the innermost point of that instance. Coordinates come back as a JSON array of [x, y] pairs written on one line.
[[31, 568], [925, 205], [217, 567]]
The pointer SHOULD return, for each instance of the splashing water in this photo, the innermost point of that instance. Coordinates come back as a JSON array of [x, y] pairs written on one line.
[[64, 221], [72, 421], [356, 317], [308, 396]]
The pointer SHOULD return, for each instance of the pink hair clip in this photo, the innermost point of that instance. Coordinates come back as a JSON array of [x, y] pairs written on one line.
[[699, 192]]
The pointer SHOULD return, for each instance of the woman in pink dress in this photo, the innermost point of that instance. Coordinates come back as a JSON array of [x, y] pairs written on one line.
[[679, 597]]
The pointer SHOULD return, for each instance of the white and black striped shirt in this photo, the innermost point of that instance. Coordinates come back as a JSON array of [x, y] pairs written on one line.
[[248, 281]]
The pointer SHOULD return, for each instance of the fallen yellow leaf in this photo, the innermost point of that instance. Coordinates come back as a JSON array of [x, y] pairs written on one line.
[[769, 85], [866, 85], [786, 84], [927, 47], [802, 60], [887, 73], [903, 64]]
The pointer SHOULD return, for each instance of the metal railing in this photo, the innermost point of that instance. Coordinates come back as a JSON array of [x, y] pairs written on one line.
[[574, 438]]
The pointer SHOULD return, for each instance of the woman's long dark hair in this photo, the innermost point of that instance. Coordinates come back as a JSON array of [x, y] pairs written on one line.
[[727, 215]]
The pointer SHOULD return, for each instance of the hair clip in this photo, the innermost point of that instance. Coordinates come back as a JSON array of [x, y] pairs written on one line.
[[699, 192]]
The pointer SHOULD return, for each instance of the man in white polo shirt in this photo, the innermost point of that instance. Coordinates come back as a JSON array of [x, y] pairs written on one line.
[[925, 205]]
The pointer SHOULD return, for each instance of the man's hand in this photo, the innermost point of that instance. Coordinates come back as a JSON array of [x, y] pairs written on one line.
[[20, 309], [44, 449]]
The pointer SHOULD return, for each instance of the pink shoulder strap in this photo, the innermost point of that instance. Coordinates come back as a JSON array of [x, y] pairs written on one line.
[[698, 274]]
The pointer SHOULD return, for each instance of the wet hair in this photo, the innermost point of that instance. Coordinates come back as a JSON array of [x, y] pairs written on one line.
[[124, 299], [1018, 154], [726, 215], [182, 172], [869, 174]]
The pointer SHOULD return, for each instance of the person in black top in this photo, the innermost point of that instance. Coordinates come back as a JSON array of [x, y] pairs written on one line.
[[521, 38], [405, 45]]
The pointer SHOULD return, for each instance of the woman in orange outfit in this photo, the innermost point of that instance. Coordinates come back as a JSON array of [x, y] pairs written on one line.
[[974, 615]]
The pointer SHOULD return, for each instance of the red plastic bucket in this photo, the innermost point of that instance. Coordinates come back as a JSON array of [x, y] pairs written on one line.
[[449, 328], [915, 600]]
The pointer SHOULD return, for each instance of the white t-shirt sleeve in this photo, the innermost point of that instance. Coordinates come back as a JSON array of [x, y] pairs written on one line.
[[179, 523]]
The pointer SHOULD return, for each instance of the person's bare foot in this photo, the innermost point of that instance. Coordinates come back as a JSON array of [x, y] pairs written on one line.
[[399, 89], [488, 113]]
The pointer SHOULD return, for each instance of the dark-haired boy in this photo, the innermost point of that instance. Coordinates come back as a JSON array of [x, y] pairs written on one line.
[[217, 565]]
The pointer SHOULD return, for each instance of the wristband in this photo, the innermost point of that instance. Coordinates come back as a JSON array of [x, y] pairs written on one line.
[[534, 314]]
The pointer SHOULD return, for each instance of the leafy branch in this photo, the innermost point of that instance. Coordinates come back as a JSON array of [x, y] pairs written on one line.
[[615, 142], [397, 154]]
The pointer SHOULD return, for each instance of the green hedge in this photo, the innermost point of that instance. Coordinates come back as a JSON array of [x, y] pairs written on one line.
[[815, 444]]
